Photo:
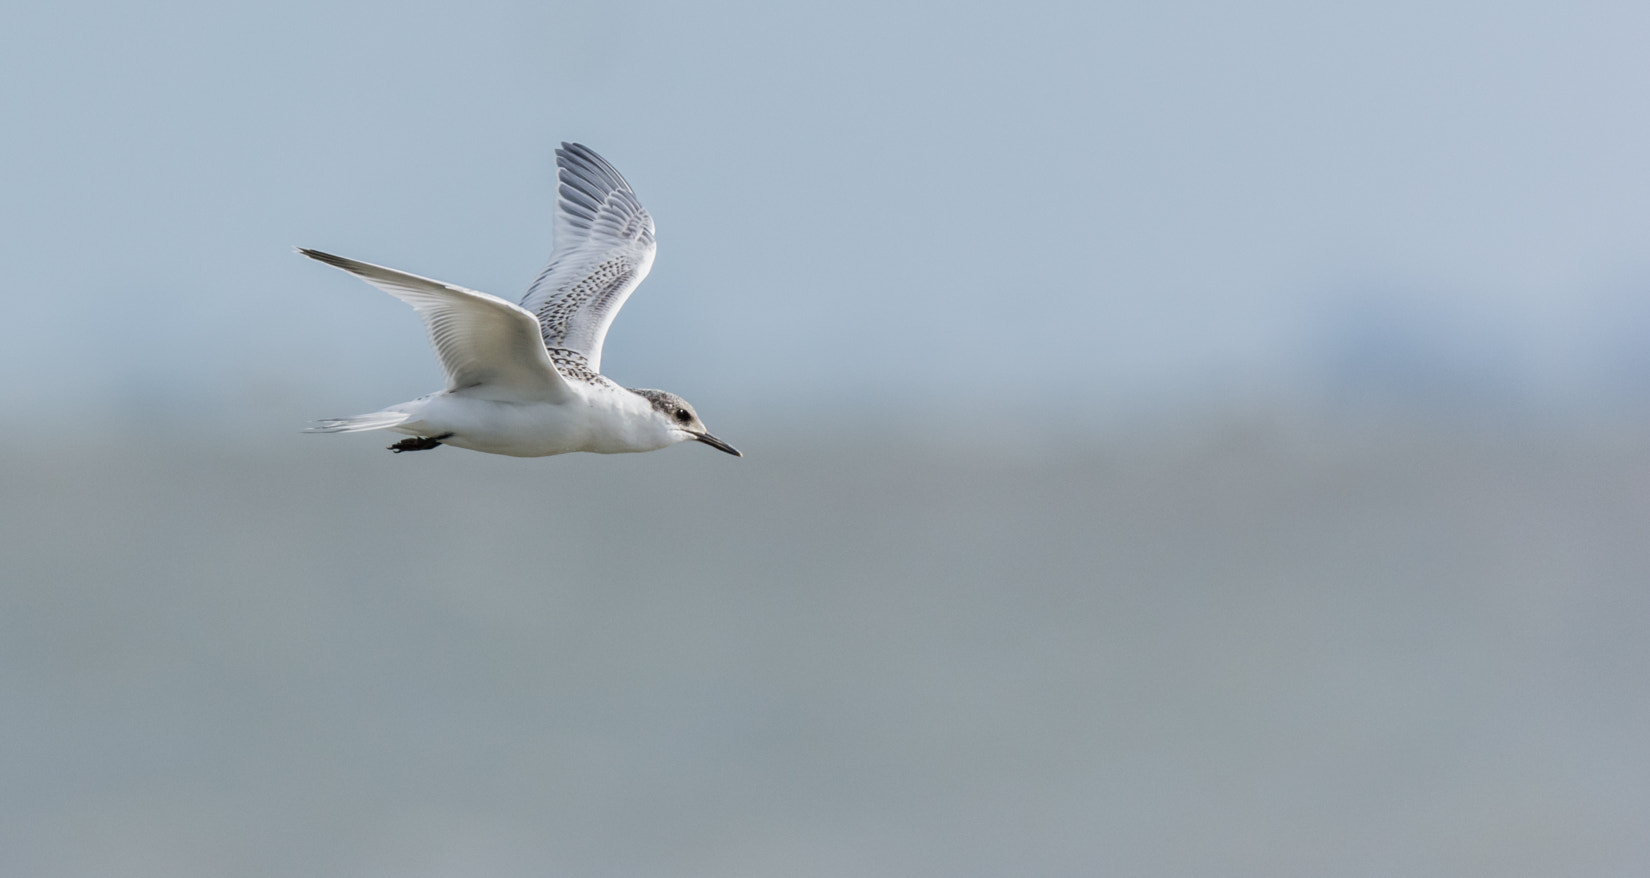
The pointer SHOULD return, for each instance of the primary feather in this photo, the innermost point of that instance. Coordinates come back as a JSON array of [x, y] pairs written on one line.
[[488, 347], [604, 248]]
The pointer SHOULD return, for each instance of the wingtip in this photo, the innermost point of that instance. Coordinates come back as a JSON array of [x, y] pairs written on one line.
[[328, 258]]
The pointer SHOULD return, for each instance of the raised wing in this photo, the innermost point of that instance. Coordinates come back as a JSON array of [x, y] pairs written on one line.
[[604, 247], [489, 348]]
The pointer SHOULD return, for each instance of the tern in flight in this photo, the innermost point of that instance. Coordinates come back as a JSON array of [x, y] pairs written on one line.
[[525, 380]]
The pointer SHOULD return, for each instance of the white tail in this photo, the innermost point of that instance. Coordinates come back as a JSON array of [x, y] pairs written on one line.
[[359, 423]]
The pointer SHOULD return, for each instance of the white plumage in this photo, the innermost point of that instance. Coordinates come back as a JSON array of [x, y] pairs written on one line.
[[525, 380]]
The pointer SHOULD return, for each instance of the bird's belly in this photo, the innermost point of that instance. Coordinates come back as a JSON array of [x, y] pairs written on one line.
[[519, 429]]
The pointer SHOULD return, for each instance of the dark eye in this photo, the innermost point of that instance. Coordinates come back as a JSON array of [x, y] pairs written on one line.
[[683, 416]]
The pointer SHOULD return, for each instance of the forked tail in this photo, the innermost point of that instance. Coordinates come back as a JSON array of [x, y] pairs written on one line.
[[359, 423]]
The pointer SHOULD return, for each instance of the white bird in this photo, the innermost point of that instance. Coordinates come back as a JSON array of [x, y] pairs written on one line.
[[525, 380]]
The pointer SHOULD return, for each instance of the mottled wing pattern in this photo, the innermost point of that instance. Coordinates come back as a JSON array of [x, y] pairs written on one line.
[[488, 347], [604, 248]]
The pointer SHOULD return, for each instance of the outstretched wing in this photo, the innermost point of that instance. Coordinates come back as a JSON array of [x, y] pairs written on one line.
[[489, 348], [604, 247]]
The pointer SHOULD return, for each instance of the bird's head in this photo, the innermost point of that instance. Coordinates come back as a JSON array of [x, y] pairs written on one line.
[[676, 417]]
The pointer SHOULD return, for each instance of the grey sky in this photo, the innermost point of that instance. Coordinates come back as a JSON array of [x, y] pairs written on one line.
[[1188, 200]]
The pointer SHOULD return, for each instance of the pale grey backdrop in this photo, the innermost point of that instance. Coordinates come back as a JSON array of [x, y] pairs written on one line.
[[1194, 439], [1178, 201]]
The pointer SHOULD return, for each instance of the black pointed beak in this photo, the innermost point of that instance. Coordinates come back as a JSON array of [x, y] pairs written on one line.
[[717, 444]]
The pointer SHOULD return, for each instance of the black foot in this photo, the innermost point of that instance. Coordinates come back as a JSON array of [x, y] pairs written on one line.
[[422, 443]]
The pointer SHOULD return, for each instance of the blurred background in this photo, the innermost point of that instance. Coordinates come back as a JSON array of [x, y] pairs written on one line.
[[1193, 439]]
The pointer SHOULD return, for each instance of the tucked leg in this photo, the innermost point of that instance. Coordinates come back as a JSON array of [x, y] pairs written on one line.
[[420, 443]]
